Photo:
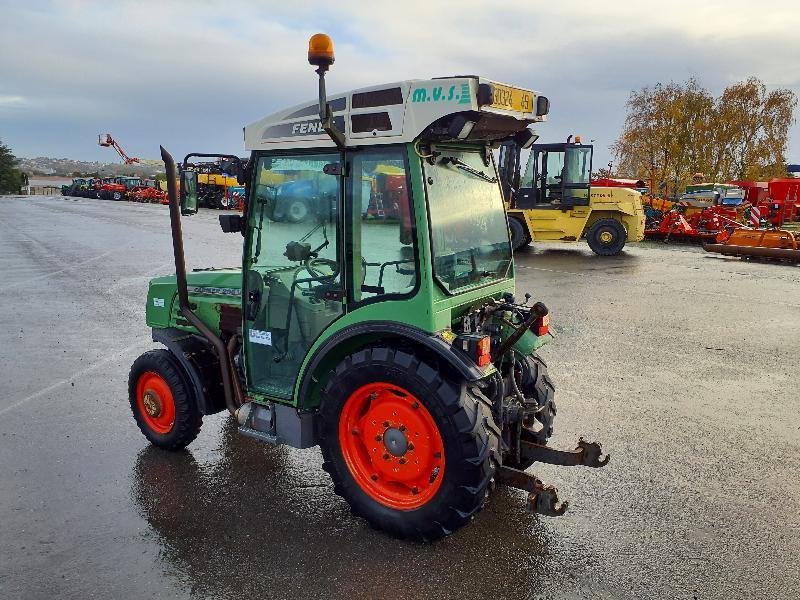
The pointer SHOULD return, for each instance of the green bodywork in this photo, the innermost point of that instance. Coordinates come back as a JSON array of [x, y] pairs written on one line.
[[430, 309]]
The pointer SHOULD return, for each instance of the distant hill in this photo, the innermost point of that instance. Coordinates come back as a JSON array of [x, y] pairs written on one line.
[[65, 167]]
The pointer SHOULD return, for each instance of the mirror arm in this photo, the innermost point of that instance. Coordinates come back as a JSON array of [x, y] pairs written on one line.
[[325, 113]]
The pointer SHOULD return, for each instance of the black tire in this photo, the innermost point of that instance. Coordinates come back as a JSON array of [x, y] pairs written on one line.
[[535, 383], [606, 237], [519, 233], [463, 416], [188, 418]]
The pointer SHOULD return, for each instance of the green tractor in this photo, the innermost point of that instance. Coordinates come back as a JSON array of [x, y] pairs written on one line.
[[76, 187], [396, 345]]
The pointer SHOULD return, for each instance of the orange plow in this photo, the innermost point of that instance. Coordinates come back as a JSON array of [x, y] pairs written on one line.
[[776, 244]]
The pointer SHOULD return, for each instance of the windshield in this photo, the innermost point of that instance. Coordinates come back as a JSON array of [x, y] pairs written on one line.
[[469, 231]]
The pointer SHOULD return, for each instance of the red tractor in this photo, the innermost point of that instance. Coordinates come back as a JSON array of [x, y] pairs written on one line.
[[119, 187]]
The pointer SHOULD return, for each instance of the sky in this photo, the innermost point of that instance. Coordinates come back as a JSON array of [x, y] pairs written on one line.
[[190, 75]]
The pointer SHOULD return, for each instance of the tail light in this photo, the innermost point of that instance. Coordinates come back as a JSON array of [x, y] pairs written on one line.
[[542, 325], [476, 346], [484, 351]]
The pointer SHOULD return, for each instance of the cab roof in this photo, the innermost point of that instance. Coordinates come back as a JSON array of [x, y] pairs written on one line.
[[404, 112]]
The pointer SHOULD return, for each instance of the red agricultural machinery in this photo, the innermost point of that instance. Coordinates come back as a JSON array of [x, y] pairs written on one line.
[[777, 202], [106, 141], [772, 244], [148, 192], [711, 224]]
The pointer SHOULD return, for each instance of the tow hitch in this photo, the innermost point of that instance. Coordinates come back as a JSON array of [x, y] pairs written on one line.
[[542, 498]]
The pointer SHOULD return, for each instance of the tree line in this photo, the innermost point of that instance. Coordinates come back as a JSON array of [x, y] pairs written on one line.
[[12, 179], [675, 130]]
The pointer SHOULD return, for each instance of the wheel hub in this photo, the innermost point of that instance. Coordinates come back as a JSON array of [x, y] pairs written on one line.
[[392, 445], [606, 237], [152, 403], [395, 441]]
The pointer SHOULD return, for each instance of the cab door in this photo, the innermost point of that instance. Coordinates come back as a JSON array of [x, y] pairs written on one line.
[[555, 190], [293, 286]]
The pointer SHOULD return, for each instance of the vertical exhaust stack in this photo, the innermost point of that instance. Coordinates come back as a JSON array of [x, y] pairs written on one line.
[[183, 293]]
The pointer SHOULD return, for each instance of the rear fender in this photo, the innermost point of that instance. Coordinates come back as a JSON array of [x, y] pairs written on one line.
[[359, 336]]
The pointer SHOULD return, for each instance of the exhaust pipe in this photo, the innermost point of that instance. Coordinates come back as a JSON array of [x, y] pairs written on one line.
[[186, 309]]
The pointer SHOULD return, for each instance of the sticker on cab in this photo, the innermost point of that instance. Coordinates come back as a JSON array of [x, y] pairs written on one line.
[[158, 302], [261, 337]]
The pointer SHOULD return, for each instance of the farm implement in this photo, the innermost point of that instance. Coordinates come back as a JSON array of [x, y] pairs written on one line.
[[709, 224], [774, 244]]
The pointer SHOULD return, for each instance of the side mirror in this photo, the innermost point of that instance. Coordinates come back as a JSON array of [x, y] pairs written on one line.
[[188, 192]]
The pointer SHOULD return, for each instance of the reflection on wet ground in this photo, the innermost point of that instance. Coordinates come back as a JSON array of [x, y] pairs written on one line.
[[252, 518]]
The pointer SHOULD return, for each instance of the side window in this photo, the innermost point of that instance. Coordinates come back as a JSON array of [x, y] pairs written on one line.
[[382, 225]]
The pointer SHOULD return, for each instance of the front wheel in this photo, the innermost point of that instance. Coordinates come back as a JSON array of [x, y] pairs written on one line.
[[162, 402], [519, 233], [412, 450], [116, 196], [606, 237]]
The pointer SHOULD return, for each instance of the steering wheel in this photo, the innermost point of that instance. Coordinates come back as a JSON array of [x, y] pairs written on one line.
[[312, 266]]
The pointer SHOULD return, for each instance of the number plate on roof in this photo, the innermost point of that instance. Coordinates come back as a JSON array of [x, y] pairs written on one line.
[[506, 97]]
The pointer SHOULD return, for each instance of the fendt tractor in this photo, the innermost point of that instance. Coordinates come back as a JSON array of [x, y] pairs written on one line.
[[394, 344], [553, 199]]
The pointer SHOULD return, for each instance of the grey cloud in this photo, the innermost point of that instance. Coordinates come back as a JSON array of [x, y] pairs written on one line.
[[189, 75]]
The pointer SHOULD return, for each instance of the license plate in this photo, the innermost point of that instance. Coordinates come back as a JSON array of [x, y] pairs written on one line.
[[510, 98]]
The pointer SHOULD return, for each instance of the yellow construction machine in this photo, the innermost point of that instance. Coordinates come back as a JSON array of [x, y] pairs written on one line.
[[553, 200]]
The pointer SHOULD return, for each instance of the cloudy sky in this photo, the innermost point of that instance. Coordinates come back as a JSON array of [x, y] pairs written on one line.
[[189, 75]]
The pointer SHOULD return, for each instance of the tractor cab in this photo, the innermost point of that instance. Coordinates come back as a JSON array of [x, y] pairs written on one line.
[[374, 311], [557, 176]]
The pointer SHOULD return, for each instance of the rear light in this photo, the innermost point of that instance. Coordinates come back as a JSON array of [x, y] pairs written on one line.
[[542, 325], [477, 346], [484, 351]]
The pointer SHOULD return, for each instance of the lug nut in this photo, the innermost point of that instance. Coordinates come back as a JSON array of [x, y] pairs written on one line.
[[374, 477], [378, 437], [415, 405], [402, 461], [355, 431], [410, 447], [402, 428], [386, 423], [437, 455], [415, 490], [386, 456]]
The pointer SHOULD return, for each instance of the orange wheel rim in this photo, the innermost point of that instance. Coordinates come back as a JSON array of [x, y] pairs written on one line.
[[391, 445], [155, 401]]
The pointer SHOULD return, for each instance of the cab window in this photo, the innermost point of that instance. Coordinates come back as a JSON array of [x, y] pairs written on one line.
[[381, 224]]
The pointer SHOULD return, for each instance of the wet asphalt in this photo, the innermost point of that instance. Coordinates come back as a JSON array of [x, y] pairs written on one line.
[[683, 364]]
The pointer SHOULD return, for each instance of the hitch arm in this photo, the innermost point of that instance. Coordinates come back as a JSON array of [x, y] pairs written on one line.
[[587, 454], [542, 498]]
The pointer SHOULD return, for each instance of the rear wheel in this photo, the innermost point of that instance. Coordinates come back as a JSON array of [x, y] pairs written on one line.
[[297, 211], [519, 233], [116, 196], [606, 237], [410, 449], [535, 383], [162, 401]]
